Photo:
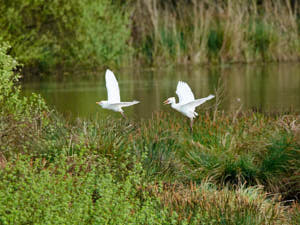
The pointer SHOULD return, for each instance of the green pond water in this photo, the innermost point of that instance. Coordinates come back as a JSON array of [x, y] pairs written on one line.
[[270, 88]]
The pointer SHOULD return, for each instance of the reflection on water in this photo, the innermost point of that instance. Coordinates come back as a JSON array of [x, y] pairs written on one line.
[[269, 88]]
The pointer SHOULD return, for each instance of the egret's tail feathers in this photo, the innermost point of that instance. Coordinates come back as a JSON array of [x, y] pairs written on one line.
[[135, 102], [209, 97], [197, 102], [131, 103], [202, 100], [126, 104]]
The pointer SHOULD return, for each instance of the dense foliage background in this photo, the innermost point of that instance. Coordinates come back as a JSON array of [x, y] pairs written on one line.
[[76, 34], [59, 34]]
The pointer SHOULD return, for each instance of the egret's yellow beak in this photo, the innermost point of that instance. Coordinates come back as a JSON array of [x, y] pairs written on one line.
[[97, 103], [166, 102]]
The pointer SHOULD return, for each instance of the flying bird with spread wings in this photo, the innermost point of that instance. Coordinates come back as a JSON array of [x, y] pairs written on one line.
[[187, 102], [113, 95]]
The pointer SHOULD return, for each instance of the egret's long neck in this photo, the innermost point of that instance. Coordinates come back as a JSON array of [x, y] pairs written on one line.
[[173, 103]]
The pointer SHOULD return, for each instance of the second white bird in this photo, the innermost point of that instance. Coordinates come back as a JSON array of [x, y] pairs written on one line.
[[187, 102]]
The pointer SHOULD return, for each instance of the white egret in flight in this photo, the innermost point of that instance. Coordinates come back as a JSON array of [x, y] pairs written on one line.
[[113, 95], [187, 102]]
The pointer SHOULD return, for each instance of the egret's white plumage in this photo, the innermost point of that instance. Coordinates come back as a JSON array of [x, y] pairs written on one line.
[[184, 92], [113, 95], [112, 87], [187, 102]]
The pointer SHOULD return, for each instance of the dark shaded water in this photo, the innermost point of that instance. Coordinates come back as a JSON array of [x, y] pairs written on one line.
[[269, 88]]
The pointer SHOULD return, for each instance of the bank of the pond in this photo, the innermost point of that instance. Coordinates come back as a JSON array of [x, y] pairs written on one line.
[[75, 34]]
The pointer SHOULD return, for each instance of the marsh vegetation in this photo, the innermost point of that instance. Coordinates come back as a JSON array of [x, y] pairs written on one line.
[[239, 167]]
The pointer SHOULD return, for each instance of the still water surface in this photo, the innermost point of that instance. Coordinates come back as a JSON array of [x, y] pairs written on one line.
[[269, 88]]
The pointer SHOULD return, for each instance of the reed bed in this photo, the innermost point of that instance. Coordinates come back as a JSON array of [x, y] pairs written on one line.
[[216, 31]]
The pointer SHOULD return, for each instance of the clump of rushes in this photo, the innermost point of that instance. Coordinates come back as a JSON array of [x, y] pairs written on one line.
[[206, 204], [252, 149]]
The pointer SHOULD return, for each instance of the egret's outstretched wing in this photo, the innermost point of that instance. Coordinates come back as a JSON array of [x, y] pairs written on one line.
[[193, 104], [113, 91], [184, 93]]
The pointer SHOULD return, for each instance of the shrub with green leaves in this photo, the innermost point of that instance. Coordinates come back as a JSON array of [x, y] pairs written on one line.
[[20, 117], [10, 99], [8, 90], [74, 190], [59, 34]]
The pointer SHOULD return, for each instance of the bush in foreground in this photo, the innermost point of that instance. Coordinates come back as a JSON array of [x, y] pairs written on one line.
[[73, 191]]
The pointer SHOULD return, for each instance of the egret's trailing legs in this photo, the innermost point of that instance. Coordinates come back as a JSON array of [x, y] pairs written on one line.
[[123, 115], [191, 125]]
